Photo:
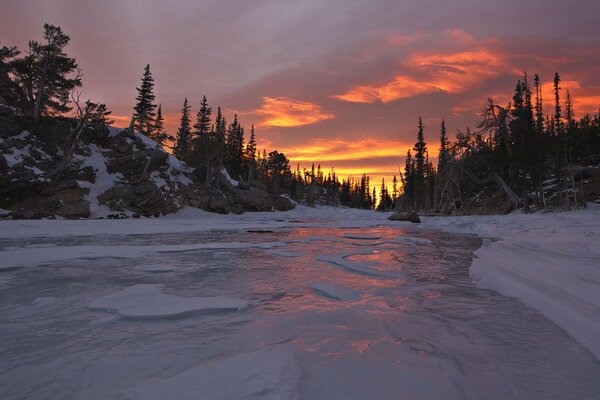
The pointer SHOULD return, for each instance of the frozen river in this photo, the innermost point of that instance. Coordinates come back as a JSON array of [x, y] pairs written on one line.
[[298, 312]]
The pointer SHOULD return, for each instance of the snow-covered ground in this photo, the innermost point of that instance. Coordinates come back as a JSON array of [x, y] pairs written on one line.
[[314, 303]]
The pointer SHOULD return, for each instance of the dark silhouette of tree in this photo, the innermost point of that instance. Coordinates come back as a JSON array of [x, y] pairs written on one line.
[[144, 108], [184, 134], [45, 75]]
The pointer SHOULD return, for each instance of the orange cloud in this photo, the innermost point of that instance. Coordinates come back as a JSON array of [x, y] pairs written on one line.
[[450, 73], [584, 101], [341, 150], [286, 113]]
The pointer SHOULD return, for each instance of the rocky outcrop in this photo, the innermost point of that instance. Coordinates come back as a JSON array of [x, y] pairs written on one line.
[[113, 173]]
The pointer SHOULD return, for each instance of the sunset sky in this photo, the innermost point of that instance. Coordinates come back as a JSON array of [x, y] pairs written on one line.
[[342, 83]]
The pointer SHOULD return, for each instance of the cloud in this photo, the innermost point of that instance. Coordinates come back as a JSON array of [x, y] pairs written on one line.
[[430, 73], [338, 149], [284, 112]]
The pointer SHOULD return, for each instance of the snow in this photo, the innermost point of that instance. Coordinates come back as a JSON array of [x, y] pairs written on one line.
[[549, 261], [271, 374], [336, 292], [144, 301], [104, 181], [232, 181]]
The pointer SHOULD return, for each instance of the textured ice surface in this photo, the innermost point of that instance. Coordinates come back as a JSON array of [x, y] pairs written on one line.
[[148, 302], [421, 327], [271, 374], [336, 291]]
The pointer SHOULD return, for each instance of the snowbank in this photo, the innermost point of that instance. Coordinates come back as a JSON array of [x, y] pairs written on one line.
[[550, 262]]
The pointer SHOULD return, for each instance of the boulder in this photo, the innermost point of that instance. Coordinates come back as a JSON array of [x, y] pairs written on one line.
[[80, 209], [405, 216], [251, 199], [219, 205], [283, 204]]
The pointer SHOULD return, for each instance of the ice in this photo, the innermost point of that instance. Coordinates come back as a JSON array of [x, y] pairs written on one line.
[[270, 373], [32, 255], [365, 268], [283, 253], [361, 237], [146, 301], [422, 324], [336, 292], [154, 268]]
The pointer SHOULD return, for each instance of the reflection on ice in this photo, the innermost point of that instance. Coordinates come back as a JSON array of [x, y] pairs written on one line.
[[408, 321]]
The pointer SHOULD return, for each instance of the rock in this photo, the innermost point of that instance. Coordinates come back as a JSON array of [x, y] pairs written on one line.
[[80, 209], [405, 216], [258, 185], [251, 199], [283, 204], [9, 127], [142, 198], [219, 205]]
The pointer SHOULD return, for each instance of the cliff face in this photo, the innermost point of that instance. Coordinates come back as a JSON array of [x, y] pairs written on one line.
[[113, 174]]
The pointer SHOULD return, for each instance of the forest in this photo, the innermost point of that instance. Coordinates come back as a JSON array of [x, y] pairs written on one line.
[[518, 155]]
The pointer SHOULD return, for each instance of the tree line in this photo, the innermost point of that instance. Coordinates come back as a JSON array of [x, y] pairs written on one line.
[[531, 157]]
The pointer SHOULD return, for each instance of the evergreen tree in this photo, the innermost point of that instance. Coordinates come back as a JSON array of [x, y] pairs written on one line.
[[184, 133], [539, 111], [99, 113], [443, 154], [420, 150], [394, 190], [557, 108], [234, 147], [144, 109], [219, 136], [158, 130], [44, 75], [10, 93], [250, 156], [203, 141]]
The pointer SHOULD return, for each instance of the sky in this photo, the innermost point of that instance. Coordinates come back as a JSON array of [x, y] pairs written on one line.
[[340, 83]]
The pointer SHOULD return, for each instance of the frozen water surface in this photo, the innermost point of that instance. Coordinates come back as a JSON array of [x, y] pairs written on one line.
[[241, 315]]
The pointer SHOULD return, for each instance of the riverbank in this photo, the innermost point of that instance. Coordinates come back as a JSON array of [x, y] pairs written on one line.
[[549, 261]]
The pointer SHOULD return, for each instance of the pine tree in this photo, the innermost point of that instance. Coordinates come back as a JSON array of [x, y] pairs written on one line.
[[99, 113], [557, 108], [234, 146], [159, 135], [443, 154], [539, 111], [184, 133], [394, 190], [144, 109], [43, 75], [203, 143], [250, 155], [219, 135], [10, 93], [420, 150]]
